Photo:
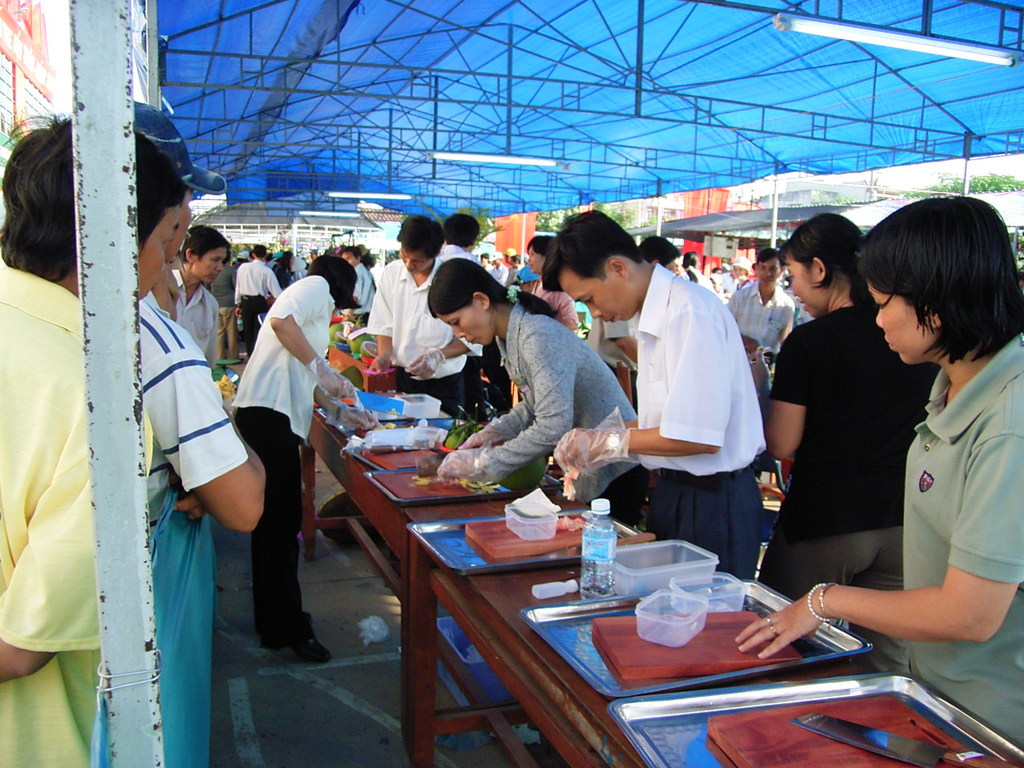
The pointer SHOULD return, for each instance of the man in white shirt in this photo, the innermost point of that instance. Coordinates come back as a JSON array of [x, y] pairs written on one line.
[[428, 357], [699, 423], [460, 233], [255, 283], [763, 311], [498, 269]]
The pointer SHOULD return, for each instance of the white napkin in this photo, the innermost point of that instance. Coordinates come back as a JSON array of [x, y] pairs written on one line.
[[534, 504]]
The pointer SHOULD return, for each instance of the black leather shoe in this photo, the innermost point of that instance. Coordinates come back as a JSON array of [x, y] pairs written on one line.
[[311, 650]]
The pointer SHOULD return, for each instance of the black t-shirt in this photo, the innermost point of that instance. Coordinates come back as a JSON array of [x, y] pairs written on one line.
[[862, 404]]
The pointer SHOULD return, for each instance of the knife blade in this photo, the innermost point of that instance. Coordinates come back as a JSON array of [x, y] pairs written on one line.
[[892, 745]]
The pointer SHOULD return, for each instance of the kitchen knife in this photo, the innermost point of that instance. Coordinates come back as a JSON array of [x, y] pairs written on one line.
[[893, 745]]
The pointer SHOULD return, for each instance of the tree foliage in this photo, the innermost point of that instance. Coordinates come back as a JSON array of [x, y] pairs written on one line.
[[552, 221], [992, 182]]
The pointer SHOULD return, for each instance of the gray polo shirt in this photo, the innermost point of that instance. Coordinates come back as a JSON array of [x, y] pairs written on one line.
[[963, 495]]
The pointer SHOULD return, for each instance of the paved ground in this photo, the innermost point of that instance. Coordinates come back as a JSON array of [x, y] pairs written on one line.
[[271, 710]]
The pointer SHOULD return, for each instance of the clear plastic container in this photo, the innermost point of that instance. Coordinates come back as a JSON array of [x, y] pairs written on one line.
[[531, 527], [724, 592], [670, 617], [644, 568]]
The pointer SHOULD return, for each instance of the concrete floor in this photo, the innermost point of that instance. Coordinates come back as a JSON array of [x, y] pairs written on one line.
[[271, 710]]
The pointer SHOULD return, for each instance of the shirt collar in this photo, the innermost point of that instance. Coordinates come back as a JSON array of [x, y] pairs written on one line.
[[652, 314], [950, 421], [406, 276], [41, 298]]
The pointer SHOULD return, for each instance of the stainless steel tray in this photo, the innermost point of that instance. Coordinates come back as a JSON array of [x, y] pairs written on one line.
[[566, 627], [670, 730], [446, 541]]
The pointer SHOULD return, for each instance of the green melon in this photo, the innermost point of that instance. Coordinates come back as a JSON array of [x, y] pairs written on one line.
[[528, 477], [356, 344], [336, 332]]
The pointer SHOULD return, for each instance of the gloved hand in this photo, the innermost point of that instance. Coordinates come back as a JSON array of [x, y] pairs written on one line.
[[425, 366], [329, 380], [584, 449], [489, 435], [347, 417], [464, 464]]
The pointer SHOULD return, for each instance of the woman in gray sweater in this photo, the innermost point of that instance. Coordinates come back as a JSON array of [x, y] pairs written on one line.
[[562, 381]]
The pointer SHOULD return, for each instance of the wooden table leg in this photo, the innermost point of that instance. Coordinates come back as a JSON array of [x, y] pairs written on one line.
[[307, 457], [419, 656]]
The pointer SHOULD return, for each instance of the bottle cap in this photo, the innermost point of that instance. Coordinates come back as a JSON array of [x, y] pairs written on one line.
[[601, 506]]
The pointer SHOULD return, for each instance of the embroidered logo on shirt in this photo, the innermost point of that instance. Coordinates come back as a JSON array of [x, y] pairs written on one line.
[[925, 482]]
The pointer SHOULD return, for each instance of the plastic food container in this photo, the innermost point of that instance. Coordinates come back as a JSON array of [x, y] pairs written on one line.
[[531, 527], [644, 568], [724, 592], [670, 617], [412, 406]]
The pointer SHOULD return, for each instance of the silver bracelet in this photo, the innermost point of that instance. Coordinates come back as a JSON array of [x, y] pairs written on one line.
[[810, 600]]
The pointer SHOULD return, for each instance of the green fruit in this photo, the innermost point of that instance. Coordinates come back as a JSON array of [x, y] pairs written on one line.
[[460, 433], [356, 344], [527, 477], [336, 332]]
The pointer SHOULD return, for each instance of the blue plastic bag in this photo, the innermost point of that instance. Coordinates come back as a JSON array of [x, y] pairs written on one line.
[[99, 749], [184, 593]]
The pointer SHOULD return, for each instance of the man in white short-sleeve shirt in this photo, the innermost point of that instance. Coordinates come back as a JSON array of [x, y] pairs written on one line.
[[699, 423]]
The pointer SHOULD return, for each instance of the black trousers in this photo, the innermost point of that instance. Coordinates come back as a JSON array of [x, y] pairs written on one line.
[[252, 308], [448, 389], [276, 595], [627, 493]]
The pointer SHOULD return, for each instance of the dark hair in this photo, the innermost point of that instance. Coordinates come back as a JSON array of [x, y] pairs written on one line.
[[835, 240], [767, 254], [461, 229], [285, 259], [350, 249], [457, 280], [691, 260], [369, 260], [39, 233], [340, 277], [202, 239], [655, 249], [259, 251], [418, 233], [585, 242], [950, 257], [539, 244]]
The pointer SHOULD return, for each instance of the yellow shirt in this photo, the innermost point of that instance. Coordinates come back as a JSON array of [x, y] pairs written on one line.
[[47, 573]]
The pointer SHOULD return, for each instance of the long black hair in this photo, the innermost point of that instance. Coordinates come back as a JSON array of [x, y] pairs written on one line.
[[458, 279], [340, 277], [950, 257], [835, 240]]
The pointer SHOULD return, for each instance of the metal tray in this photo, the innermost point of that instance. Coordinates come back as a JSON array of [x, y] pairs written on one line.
[[418, 501], [367, 457], [670, 730], [566, 627], [446, 541]]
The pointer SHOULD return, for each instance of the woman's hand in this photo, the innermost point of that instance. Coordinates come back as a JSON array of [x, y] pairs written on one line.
[[778, 629], [463, 464], [487, 436], [329, 380]]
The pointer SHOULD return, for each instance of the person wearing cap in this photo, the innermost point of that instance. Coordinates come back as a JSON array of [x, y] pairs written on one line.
[[699, 422], [737, 276], [256, 286]]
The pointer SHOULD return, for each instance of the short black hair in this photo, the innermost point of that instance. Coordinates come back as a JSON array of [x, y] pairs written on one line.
[[259, 251], [690, 260], [836, 242], [461, 229], [585, 242], [950, 257], [39, 234], [539, 244], [202, 239], [658, 250], [458, 279], [340, 277], [418, 233], [767, 254]]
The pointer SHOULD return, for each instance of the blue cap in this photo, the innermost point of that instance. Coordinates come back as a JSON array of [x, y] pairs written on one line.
[[158, 128], [527, 275]]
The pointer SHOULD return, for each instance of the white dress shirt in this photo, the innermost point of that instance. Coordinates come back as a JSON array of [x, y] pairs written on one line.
[[400, 311], [199, 317], [693, 378], [255, 278], [456, 252]]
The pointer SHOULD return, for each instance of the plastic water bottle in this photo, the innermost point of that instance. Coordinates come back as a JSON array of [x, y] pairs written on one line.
[[597, 571]]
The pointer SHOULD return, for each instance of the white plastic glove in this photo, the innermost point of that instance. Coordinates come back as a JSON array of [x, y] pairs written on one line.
[[580, 450], [329, 380], [425, 366], [464, 464], [347, 417], [489, 435]]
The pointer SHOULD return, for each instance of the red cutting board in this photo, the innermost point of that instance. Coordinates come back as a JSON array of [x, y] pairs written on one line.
[[395, 459], [712, 652], [767, 739], [496, 542], [400, 485]]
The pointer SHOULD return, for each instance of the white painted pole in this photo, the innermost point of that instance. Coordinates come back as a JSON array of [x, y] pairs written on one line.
[[775, 211], [108, 283], [659, 215]]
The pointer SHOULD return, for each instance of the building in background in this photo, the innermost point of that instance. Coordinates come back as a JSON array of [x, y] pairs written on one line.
[[26, 77]]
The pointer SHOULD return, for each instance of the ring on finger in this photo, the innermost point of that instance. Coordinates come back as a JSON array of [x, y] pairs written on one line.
[[774, 629], [769, 620]]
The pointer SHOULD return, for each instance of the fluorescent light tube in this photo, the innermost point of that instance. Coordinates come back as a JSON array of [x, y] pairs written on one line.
[[332, 214], [470, 157], [907, 41], [370, 195]]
